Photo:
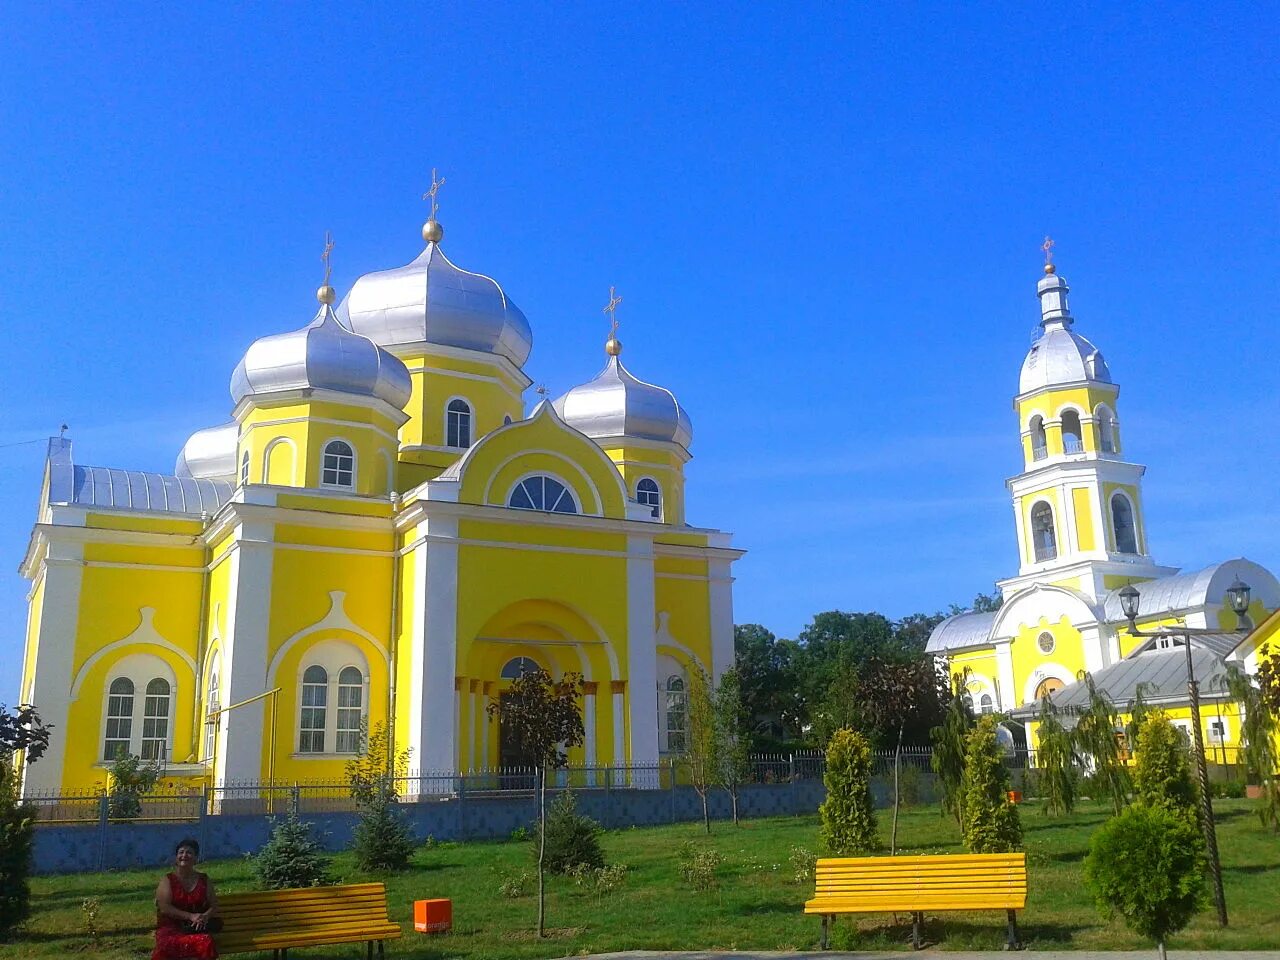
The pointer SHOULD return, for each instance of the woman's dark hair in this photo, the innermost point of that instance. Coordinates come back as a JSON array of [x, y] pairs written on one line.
[[191, 843]]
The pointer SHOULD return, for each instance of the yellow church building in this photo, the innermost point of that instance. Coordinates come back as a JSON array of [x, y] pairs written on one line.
[[1082, 536], [381, 534]]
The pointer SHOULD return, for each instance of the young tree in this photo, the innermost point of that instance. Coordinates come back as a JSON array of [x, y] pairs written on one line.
[[1095, 736], [700, 747], [1259, 731], [545, 719], [732, 760], [23, 737], [1056, 760], [291, 857], [130, 778], [991, 822], [382, 839], [1147, 864], [1162, 777], [848, 816], [947, 759], [893, 693]]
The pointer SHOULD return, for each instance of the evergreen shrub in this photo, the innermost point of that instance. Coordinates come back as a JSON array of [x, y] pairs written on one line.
[[991, 822], [291, 857], [573, 839], [1162, 774], [17, 827], [1146, 865], [847, 815], [382, 839]]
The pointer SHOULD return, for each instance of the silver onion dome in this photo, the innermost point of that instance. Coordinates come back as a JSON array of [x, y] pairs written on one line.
[[210, 454], [1059, 356], [323, 355], [431, 300], [617, 404]]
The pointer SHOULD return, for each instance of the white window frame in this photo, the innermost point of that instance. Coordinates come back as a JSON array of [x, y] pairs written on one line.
[[244, 469], [470, 422], [1133, 516], [672, 699], [1031, 526], [1211, 736], [573, 496], [986, 703], [355, 464], [657, 509], [1104, 421], [333, 656], [212, 701], [140, 669]]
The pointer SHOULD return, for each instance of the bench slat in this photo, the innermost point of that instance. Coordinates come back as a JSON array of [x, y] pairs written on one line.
[[306, 916], [910, 884]]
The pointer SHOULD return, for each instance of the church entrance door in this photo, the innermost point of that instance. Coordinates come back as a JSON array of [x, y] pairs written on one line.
[[516, 763]]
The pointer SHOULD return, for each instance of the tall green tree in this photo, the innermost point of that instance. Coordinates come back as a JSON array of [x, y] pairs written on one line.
[[1095, 737], [1162, 773], [847, 815], [1259, 702], [544, 719], [991, 821], [700, 738], [1056, 761], [732, 748], [23, 739], [949, 743]]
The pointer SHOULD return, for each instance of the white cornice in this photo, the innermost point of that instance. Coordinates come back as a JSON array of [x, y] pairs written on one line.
[[1072, 385], [1115, 471]]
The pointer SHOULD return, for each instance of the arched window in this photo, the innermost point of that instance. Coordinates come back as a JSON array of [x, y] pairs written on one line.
[[155, 720], [1106, 425], [211, 703], [1048, 686], [457, 427], [650, 494], [1046, 544], [1122, 523], [517, 667], [542, 493], [677, 707], [119, 735], [315, 698], [244, 468], [1039, 444], [1071, 435], [338, 468], [986, 704], [350, 710]]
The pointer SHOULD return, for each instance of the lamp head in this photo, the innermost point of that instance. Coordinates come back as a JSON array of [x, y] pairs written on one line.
[[1129, 602], [1238, 601]]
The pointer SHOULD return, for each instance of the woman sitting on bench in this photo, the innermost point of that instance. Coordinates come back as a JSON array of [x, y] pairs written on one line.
[[186, 908]]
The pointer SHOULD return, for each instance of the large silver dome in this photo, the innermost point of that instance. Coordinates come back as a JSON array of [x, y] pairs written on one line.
[[433, 300], [323, 355], [210, 454], [1059, 356], [617, 404]]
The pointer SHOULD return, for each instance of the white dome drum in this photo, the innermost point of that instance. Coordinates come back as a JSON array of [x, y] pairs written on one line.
[[433, 301], [323, 355]]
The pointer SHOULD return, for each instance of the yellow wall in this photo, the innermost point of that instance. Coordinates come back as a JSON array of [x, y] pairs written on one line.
[[666, 467], [1082, 502]]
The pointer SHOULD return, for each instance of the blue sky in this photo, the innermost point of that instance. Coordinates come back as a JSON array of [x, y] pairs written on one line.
[[824, 221]]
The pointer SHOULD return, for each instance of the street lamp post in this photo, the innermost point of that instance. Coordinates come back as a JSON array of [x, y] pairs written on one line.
[[1238, 600]]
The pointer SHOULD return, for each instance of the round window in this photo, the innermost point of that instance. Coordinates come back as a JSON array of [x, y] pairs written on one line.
[[1045, 642]]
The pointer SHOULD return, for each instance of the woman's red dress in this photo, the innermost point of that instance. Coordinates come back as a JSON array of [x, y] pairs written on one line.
[[173, 940]]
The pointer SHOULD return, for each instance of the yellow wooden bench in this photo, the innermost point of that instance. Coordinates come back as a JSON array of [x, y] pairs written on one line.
[[985, 881], [278, 920]]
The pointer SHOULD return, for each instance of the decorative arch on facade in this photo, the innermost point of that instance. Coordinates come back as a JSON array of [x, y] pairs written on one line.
[[144, 635], [1044, 601], [1106, 428], [1045, 672], [979, 685], [331, 697], [554, 634], [279, 462], [334, 622]]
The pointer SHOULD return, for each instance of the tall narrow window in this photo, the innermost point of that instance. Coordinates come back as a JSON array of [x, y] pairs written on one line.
[[1042, 535], [119, 718], [1106, 431], [650, 494], [1039, 444], [986, 704], [677, 706], [211, 703], [155, 721], [350, 708], [458, 424], [244, 468], [338, 468], [1071, 442], [1122, 522], [542, 493], [315, 697]]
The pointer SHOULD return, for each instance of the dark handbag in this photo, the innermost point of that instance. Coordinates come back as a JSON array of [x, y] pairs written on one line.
[[212, 925]]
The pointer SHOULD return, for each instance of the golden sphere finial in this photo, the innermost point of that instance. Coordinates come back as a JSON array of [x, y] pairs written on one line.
[[432, 232], [326, 295], [613, 346], [1050, 269]]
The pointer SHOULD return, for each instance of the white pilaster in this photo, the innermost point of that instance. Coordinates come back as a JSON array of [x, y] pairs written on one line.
[[432, 709], [1007, 695], [589, 723], [619, 748], [642, 652]]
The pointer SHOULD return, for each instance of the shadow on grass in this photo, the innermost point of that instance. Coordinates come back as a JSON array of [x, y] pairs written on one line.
[[970, 934]]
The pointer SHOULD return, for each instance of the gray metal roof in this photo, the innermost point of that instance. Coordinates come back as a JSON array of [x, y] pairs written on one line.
[[210, 453], [134, 490], [433, 300], [322, 355], [618, 404], [961, 630], [1060, 356], [1182, 591], [1164, 672]]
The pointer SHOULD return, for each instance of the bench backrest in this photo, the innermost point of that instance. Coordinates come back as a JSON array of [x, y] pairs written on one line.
[[245, 914], [964, 881]]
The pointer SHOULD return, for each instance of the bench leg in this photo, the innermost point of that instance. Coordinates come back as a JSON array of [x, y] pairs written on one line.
[[917, 918], [381, 951], [1012, 942], [826, 921], [368, 950]]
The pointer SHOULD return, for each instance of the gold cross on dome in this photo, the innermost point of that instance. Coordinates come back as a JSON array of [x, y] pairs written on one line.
[[328, 249], [1047, 247], [541, 391], [611, 308], [436, 184]]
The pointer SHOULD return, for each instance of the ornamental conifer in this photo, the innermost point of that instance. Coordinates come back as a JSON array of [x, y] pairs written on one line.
[[991, 822], [848, 817], [1162, 777]]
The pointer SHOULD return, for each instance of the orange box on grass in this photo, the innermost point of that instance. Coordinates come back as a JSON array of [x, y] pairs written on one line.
[[432, 916]]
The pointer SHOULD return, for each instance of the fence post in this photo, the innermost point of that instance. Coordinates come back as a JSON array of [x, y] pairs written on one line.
[[671, 773], [104, 810], [462, 807], [204, 813], [794, 781], [295, 798], [608, 796]]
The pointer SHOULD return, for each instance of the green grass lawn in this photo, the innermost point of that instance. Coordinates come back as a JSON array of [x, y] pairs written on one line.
[[757, 905]]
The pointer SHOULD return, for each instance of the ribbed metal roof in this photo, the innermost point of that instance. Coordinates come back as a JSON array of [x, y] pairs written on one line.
[[135, 490], [1182, 591], [961, 630]]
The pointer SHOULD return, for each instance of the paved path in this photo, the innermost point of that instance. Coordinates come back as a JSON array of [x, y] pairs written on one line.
[[947, 955]]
